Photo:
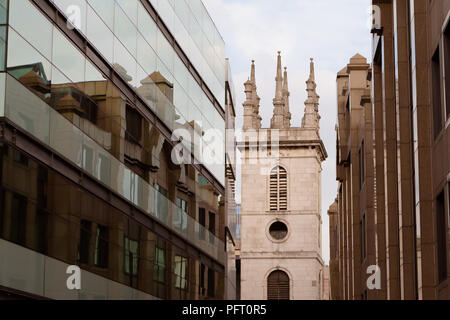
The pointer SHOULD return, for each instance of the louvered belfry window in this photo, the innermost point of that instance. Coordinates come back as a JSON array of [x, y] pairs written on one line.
[[278, 189], [278, 286]]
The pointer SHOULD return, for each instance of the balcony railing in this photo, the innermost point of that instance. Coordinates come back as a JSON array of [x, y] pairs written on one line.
[[36, 274], [33, 115]]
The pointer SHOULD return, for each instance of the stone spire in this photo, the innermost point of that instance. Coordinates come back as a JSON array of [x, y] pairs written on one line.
[[256, 99], [279, 102], [253, 73], [286, 95], [279, 79], [311, 118], [312, 75], [252, 119]]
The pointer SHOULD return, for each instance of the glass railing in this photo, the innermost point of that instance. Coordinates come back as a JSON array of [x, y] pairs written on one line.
[[29, 271], [33, 115]]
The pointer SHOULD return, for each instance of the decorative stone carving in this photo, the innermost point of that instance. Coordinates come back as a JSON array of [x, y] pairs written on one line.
[[311, 118]]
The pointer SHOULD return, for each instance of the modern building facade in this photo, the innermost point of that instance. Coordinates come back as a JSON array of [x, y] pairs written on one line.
[[281, 249], [393, 159], [107, 112]]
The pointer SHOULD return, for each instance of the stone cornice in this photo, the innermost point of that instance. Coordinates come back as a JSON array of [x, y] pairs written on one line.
[[255, 255], [292, 138]]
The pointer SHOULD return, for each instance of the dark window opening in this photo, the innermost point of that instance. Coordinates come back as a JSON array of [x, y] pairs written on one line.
[[41, 233], [363, 227], [18, 219], [437, 107], [211, 283], [278, 230], [42, 187], [20, 158], [362, 166], [447, 68], [134, 125], [202, 222], [364, 295], [212, 226], [201, 288], [85, 240], [441, 237]]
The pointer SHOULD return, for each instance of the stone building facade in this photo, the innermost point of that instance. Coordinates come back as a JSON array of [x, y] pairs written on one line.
[[281, 249], [353, 253], [393, 165]]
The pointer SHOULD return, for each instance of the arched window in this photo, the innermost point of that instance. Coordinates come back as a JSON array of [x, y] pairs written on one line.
[[278, 286], [278, 189]]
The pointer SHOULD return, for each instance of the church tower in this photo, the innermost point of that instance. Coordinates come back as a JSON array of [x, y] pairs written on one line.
[[281, 250]]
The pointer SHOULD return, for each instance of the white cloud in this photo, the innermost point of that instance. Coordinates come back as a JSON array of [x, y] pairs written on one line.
[[330, 31]]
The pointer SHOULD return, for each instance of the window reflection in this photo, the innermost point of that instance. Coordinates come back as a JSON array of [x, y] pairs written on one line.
[[131, 256], [100, 34], [125, 31], [105, 10], [40, 32], [159, 270], [2, 47], [69, 83], [65, 222], [181, 276]]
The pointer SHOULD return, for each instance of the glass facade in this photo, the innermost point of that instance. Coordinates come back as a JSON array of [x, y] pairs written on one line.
[[55, 92], [48, 214], [53, 129], [197, 35], [128, 38]]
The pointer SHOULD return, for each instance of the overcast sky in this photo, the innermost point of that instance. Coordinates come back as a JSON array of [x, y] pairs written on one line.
[[330, 31]]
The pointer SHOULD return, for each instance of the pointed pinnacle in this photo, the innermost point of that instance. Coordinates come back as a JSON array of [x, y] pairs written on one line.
[[279, 79], [253, 76], [312, 73], [285, 80]]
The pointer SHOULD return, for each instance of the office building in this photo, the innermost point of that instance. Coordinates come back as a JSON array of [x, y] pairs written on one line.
[[393, 159], [113, 117]]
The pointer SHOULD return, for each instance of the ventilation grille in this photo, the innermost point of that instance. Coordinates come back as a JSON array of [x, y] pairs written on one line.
[[278, 189]]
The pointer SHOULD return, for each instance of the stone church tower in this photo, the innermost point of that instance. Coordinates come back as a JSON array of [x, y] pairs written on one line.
[[281, 250]]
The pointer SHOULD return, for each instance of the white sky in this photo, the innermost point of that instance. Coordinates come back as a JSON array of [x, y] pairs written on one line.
[[330, 31]]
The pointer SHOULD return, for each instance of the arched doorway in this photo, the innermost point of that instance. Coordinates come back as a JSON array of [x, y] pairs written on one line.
[[278, 287]]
